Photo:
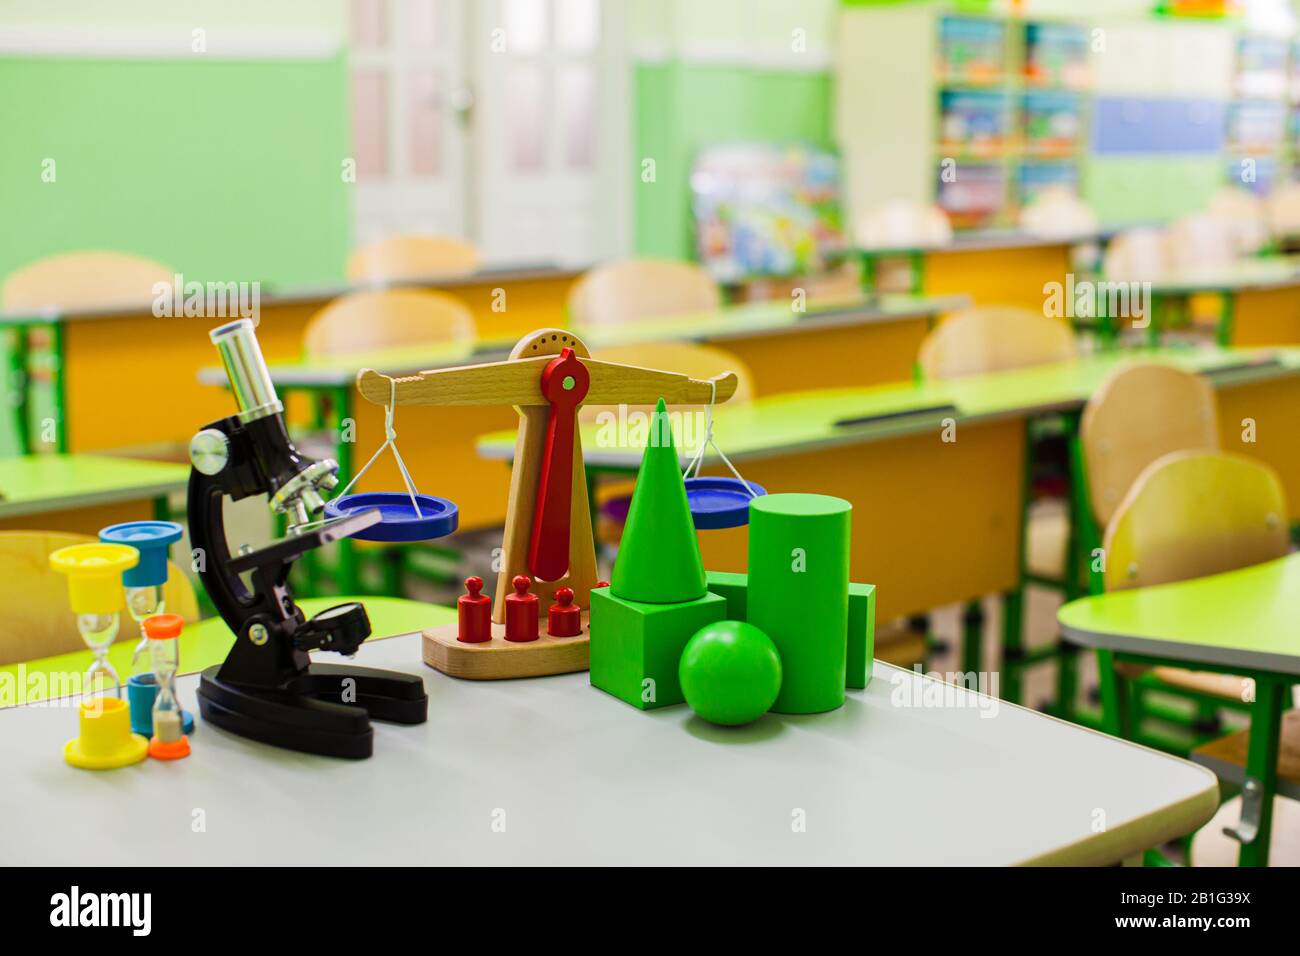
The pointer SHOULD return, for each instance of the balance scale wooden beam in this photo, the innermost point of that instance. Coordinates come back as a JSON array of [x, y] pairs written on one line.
[[522, 381]]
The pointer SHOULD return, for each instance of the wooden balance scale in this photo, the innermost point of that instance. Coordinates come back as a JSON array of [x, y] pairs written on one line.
[[548, 535]]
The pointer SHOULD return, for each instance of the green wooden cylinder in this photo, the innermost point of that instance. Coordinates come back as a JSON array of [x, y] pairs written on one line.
[[799, 594]]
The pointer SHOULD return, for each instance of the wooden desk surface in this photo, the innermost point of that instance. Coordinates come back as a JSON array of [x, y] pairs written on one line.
[[550, 770]]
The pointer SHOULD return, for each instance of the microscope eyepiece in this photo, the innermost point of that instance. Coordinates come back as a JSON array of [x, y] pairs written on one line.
[[241, 356]]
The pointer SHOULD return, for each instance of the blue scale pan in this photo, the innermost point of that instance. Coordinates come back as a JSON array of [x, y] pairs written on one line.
[[438, 517], [720, 502]]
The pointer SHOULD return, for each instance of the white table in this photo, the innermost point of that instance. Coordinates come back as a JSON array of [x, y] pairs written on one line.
[[579, 777]]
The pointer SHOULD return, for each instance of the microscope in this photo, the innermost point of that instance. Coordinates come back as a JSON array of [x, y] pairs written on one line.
[[268, 688]]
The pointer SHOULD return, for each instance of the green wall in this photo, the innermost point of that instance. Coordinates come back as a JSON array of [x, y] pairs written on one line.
[[680, 107], [224, 169]]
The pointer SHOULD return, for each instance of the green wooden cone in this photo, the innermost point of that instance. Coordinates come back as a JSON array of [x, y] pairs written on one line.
[[659, 557]]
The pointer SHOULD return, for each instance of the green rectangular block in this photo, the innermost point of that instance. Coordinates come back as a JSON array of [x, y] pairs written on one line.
[[862, 635], [731, 586], [636, 648], [862, 620]]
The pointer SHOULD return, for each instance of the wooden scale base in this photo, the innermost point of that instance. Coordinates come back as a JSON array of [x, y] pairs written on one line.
[[499, 659]]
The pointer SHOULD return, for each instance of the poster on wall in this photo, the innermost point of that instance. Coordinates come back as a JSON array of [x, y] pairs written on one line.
[[766, 210]]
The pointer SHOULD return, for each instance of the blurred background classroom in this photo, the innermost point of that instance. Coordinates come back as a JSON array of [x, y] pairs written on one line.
[[867, 209]]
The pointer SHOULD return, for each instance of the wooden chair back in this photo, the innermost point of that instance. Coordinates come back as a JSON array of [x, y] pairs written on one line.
[[688, 358], [84, 280], [402, 258], [1141, 412], [994, 339], [385, 319], [1193, 513], [35, 619], [636, 289]]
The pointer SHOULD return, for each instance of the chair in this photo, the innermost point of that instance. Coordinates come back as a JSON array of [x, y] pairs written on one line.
[[688, 358], [373, 321], [1057, 212], [1242, 215], [994, 339], [405, 258], [1137, 255], [1199, 242], [84, 280], [1282, 211], [900, 224], [387, 319], [1179, 413], [636, 289], [1192, 514], [35, 620]]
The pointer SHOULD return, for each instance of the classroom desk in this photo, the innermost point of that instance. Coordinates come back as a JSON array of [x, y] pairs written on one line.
[[552, 771], [993, 267], [786, 350], [124, 379], [937, 522], [1259, 301], [84, 493], [203, 644], [1241, 622]]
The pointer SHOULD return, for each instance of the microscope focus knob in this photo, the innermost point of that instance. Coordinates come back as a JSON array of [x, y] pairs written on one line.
[[209, 451]]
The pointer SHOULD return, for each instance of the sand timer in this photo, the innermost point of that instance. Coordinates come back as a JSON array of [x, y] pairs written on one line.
[[163, 632], [95, 594], [144, 583], [144, 586]]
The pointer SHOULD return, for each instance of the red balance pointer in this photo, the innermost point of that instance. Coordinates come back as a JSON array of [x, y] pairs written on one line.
[[565, 381]]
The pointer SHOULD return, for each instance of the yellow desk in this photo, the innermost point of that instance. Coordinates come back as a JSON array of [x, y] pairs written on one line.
[[128, 376]]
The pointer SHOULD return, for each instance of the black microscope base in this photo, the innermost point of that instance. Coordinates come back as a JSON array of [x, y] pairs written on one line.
[[307, 713]]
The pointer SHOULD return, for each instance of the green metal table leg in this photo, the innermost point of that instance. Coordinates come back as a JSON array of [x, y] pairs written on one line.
[[162, 509], [1013, 603], [1227, 313], [20, 379], [60, 385], [1114, 696], [1256, 827], [916, 262], [972, 638]]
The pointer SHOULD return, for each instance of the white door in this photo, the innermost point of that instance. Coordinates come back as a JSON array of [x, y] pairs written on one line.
[[410, 113], [503, 121], [550, 144]]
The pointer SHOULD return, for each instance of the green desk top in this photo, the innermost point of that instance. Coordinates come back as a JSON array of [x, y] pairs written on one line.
[[202, 645], [806, 420], [1244, 275], [317, 293], [32, 484], [1240, 620], [980, 240], [730, 322]]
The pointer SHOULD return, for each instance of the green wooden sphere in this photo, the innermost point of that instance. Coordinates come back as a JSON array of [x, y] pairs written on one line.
[[730, 672]]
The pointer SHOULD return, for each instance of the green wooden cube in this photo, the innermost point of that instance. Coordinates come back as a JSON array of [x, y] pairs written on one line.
[[733, 586], [862, 635], [636, 648]]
